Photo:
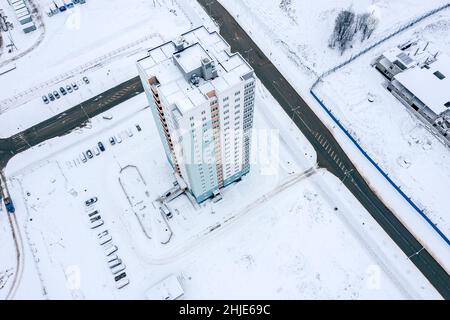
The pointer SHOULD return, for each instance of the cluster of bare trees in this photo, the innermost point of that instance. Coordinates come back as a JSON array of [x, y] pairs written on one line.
[[348, 25]]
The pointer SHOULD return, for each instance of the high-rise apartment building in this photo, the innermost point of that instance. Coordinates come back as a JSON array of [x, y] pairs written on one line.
[[202, 99]]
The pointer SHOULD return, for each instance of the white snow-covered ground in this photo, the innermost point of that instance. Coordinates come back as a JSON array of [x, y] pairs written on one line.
[[299, 49], [282, 234], [77, 43]]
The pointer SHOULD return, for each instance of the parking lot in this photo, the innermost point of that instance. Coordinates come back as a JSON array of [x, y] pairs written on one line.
[[64, 90]]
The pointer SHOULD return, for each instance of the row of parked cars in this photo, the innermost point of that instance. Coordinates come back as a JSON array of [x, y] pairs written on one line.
[[115, 264], [52, 96]]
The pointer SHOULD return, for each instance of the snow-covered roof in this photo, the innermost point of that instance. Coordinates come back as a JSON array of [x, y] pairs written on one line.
[[430, 85], [395, 54], [170, 67]]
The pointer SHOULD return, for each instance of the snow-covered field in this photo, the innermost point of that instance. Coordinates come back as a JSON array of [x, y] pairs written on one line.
[[291, 235], [299, 48]]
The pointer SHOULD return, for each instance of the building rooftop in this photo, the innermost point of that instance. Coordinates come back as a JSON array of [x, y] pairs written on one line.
[[430, 84], [176, 66]]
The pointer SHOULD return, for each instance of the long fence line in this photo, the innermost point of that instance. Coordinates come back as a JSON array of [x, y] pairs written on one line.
[[353, 140], [403, 28], [15, 100]]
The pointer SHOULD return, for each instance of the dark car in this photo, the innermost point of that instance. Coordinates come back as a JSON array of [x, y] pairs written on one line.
[[45, 99], [63, 91], [101, 146], [91, 201], [69, 89], [112, 141], [86, 80], [74, 86], [89, 154], [51, 97], [56, 94], [138, 127]]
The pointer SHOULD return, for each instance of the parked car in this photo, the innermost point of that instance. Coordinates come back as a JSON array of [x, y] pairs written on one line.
[[104, 240], [83, 157], [101, 146], [112, 257], [91, 201], [122, 283], [112, 141], [118, 139], [96, 151], [56, 94], [51, 97], [138, 127], [89, 154], [97, 223], [129, 133], [45, 99], [63, 91], [69, 89], [95, 218], [74, 86], [118, 268], [165, 211], [110, 250], [86, 80]]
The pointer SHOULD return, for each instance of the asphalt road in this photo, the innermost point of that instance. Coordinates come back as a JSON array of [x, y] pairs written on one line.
[[330, 154]]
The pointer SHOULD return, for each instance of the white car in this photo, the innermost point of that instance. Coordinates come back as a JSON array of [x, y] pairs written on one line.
[[114, 263], [96, 151], [118, 138], [112, 257], [118, 268], [83, 157], [105, 239]]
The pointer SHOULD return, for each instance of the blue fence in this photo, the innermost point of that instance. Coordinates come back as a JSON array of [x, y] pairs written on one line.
[[384, 174]]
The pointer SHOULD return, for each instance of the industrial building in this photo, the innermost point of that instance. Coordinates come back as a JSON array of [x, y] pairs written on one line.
[[202, 99], [422, 83]]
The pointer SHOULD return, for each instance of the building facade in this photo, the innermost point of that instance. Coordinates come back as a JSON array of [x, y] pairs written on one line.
[[202, 99], [420, 80]]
